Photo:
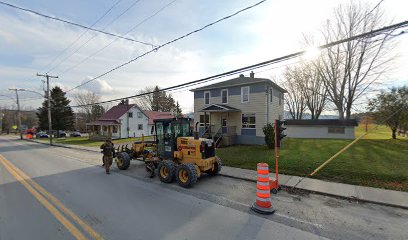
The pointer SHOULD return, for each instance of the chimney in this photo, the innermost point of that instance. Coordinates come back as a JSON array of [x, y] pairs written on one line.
[[252, 74], [241, 75]]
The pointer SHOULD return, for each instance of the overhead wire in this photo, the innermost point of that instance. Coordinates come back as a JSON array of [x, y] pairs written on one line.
[[91, 38], [81, 35], [265, 63], [167, 43], [114, 40], [74, 24]]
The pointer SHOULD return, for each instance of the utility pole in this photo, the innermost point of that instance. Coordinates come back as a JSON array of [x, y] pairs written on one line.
[[18, 112], [49, 102]]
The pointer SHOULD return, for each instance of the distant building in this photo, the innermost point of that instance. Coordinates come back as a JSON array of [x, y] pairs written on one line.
[[236, 110], [152, 115], [321, 128], [124, 121]]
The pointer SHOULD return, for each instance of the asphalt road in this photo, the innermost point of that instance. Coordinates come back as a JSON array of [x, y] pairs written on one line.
[[56, 193]]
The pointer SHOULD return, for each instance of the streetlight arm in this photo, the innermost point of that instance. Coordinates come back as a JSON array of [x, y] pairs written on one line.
[[25, 90]]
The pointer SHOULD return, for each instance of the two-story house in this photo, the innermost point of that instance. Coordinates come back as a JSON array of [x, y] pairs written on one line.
[[236, 110]]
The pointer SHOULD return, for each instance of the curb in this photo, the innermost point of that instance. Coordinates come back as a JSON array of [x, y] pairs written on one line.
[[355, 199], [62, 146]]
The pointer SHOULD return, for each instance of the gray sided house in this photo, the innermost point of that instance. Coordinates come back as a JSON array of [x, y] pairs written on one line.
[[236, 110], [321, 128]]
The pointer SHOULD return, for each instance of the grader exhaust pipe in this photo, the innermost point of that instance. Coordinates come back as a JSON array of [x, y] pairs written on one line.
[[196, 131]]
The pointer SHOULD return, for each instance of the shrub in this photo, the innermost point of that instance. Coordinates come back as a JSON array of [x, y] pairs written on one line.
[[269, 132]]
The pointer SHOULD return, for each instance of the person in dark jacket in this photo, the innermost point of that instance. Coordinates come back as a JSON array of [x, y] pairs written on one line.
[[108, 151]]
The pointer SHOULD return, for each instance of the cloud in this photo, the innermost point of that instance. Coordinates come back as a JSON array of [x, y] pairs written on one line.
[[98, 86]]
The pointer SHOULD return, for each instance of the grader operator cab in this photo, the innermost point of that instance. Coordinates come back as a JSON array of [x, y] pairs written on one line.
[[176, 153]]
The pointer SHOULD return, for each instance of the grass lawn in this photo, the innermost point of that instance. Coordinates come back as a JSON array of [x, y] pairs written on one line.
[[84, 141], [376, 160]]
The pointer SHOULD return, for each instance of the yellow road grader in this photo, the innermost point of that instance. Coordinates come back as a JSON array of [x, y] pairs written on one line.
[[176, 153]]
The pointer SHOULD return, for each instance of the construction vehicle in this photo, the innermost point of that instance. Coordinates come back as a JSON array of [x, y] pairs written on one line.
[[175, 153]]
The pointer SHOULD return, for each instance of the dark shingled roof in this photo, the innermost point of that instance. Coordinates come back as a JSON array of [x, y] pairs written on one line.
[[320, 122], [241, 80], [116, 112]]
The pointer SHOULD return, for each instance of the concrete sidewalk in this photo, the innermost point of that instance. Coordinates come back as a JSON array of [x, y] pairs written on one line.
[[354, 192]]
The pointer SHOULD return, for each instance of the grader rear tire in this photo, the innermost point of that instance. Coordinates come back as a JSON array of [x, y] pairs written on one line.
[[217, 167], [123, 161], [186, 175], [167, 170]]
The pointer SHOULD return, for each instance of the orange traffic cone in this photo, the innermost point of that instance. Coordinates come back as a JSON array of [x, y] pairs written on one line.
[[263, 191]]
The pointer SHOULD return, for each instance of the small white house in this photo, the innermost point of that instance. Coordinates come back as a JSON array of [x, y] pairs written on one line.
[[321, 128], [124, 121], [121, 121]]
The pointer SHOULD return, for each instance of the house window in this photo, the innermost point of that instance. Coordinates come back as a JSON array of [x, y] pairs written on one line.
[[336, 130], [245, 94], [248, 120], [224, 96], [130, 115], [207, 96], [206, 120], [140, 127], [115, 129], [139, 115], [271, 94]]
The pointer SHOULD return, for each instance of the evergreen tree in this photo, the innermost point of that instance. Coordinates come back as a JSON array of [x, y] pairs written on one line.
[[162, 101], [62, 116], [178, 110]]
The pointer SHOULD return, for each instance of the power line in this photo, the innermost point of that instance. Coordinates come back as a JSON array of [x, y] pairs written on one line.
[[91, 38], [74, 24], [114, 40], [78, 38], [261, 64], [167, 43]]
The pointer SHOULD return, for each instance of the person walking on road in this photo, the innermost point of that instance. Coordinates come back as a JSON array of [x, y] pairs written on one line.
[[108, 151]]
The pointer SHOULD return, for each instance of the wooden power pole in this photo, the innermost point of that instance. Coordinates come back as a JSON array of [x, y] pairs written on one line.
[[49, 102]]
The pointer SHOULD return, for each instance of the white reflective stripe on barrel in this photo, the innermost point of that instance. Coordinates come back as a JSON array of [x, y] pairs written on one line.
[[263, 191], [263, 199], [262, 168], [263, 176], [262, 183]]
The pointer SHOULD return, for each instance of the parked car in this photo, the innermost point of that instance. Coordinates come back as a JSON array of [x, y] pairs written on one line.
[[61, 134], [41, 135], [75, 134], [57, 134]]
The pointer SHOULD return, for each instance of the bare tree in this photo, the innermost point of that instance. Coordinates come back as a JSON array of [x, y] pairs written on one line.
[[313, 90], [350, 69], [294, 99], [91, 110], [146, 101]]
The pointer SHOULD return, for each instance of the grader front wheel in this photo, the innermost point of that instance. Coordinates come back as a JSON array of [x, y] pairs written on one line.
[[166, 170]]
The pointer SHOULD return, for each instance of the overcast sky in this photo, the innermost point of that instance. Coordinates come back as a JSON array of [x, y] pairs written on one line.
[[29, 43]]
